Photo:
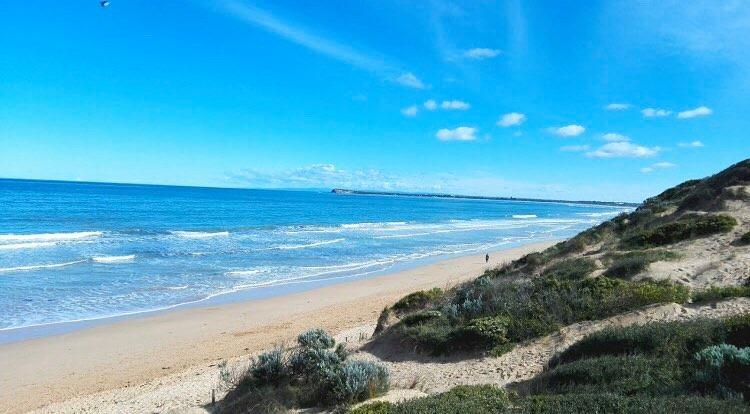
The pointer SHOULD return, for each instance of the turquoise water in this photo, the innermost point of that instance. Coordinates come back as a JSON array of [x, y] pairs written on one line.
[[83, 251]]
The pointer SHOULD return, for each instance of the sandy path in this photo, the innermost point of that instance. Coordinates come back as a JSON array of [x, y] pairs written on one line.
[[166, 361]]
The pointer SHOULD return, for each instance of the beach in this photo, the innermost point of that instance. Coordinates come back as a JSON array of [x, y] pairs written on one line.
[[146, 362]]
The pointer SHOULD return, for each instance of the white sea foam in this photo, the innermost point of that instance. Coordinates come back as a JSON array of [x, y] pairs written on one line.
[[243, 272], [49, 237], [114, 259], [524, 216], [373, 225], [199, 234], [604, 214], [36, 267], [305, 246], [30, 245], [177, 287]]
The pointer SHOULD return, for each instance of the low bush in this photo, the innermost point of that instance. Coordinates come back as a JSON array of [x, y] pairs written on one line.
[[632, 263], [572, 269], [481, 316], [715, 293], [316, 373], [619, 404], [484, 399], [684, 228], [626, 375], [676, 340], [744, 240], [490, 400], [417, 300], [724, 370]]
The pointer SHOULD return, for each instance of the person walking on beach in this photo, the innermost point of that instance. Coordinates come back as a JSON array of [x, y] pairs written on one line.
[[487, 258]]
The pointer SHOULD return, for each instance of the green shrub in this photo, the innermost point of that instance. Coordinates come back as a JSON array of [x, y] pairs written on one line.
[[271, 367], [486, 399], [314, 374], [724, 370], [577, 268], [360, 380], [417, 300], [744, 240], [481, 399], [492, 330], [524, 310], [632, 263], [315, 338], [421, 317], [686, 227], [715, 293], [618, 404], [626, 375], [675, 340]]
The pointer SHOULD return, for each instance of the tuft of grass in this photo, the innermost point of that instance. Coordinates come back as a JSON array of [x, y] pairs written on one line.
[[482, 316], [632, 263], [715, 293], [417, 300], [744, 240], [687, 227], [572, 269], [626, 375], [316, 373]]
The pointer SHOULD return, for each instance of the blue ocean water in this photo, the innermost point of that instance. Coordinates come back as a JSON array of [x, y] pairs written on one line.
[[82, 251]]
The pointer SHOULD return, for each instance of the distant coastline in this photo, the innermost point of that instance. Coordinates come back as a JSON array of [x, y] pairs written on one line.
[[343, 191]]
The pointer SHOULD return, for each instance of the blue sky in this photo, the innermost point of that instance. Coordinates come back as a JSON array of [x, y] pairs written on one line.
[[584, 100]]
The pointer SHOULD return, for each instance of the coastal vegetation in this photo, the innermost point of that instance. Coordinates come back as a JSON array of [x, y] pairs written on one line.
[[692, 366], [688, 367], [316, 372]]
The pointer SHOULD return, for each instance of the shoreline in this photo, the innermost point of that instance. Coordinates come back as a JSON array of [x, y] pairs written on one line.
[[139, 351]]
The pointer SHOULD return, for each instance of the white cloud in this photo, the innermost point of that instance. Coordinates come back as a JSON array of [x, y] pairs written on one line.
[[410, 80], [657, 166], [511, 119], [568, 130], [655, 112], [623, 149], [430, 105], [410, 111], [617, 107], [462, 133], [481, 53], [692, 144], [455, 105], [692, 113], [327, 47], [613, 137], [575, 148]]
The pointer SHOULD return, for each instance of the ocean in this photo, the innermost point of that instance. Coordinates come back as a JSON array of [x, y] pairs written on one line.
[[88, 251]]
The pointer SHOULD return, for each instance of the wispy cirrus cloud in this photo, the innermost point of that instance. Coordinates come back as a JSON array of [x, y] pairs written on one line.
[[480, 53], [657, 166], [691, 144], [655, 112], [617, 106], [319, 44], [615, 137], [575, 148]]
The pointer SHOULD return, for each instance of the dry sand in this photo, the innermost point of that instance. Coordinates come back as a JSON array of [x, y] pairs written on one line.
[[167, 361]]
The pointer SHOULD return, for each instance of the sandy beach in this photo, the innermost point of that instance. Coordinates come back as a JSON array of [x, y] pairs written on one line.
[[167, 361]]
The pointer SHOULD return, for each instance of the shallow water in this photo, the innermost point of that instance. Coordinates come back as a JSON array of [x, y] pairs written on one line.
[[82, 251]]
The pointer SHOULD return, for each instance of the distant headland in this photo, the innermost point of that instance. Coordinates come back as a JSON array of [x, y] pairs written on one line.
[[344, 191]]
